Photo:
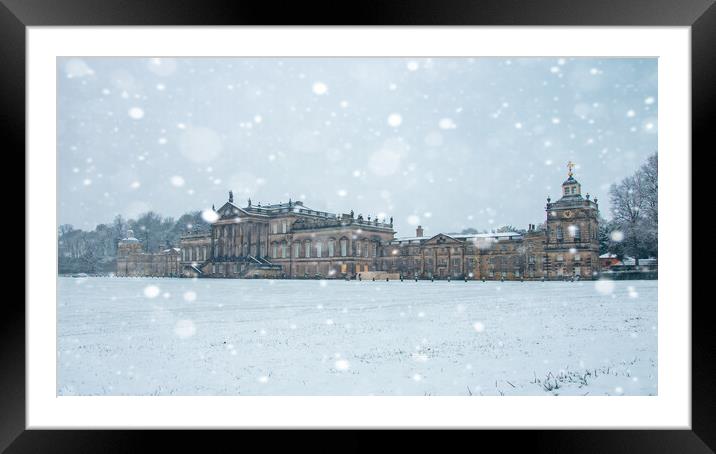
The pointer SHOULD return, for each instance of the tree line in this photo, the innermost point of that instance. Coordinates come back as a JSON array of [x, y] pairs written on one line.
[[95, 251], [634, 227]]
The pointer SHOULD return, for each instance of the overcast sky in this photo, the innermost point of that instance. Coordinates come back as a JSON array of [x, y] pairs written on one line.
[[447, 143]]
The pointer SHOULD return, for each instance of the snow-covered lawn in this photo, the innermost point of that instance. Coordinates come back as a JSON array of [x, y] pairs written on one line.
[[137, 336]]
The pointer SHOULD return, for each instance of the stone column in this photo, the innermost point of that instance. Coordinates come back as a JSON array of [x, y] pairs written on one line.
[[258, 240], [242, 253], [248, 238]]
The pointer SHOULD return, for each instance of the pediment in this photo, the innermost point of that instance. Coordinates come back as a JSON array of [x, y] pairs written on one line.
[[231, 211], [442, 239]]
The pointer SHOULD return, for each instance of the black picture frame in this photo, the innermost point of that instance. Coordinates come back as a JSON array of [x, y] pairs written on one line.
[[16, 15]]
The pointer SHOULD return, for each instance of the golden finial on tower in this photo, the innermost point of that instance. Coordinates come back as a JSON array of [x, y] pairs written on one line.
[[570, 166]]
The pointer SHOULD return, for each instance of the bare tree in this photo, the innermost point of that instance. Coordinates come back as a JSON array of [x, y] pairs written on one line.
[[635, 207], [627, 205], [650, 177]]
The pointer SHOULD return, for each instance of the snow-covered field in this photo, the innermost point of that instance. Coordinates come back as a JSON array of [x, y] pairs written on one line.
[[136, 336]]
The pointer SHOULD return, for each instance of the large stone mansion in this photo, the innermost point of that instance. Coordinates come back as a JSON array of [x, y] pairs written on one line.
[[290, 240]]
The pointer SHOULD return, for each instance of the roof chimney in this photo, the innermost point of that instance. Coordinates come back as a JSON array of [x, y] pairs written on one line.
[[419, 231]]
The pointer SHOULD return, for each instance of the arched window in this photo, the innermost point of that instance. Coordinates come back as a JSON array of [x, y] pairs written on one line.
[[275, 250], [344, 247], [331, 247], [307, 249], [577, 233], [296, 250], [284, 250], [319, 249], [560, 233], [366, 248], [359, 247]]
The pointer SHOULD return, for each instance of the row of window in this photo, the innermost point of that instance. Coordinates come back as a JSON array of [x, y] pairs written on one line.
[[309, 249], [279, 227], [575, 232]]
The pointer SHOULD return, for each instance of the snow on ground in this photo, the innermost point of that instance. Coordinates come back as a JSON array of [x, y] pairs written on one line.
[[143, 336]]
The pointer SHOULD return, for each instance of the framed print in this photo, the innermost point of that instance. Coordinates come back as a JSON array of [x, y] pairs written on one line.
[[429, 217]]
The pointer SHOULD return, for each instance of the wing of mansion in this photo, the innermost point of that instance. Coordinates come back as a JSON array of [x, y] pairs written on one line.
[[290, 240]]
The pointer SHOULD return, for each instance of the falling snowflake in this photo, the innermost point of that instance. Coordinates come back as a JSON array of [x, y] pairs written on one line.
[[136, 113], [151, 291], [184, 328], [320, 88], [447, 123], [209, 216], [189, 296], [394, 120], [177, 181], [604, 286]]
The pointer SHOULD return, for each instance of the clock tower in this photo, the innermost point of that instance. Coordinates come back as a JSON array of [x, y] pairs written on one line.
[[571, 233]]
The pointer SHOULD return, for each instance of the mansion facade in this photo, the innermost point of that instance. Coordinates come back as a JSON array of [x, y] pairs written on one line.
[[290, 240]]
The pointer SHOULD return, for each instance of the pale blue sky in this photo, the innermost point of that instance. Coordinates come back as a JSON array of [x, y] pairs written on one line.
[[448, 143]]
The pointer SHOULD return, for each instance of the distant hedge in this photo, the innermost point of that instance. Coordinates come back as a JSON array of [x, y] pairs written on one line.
[[630, 275]]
